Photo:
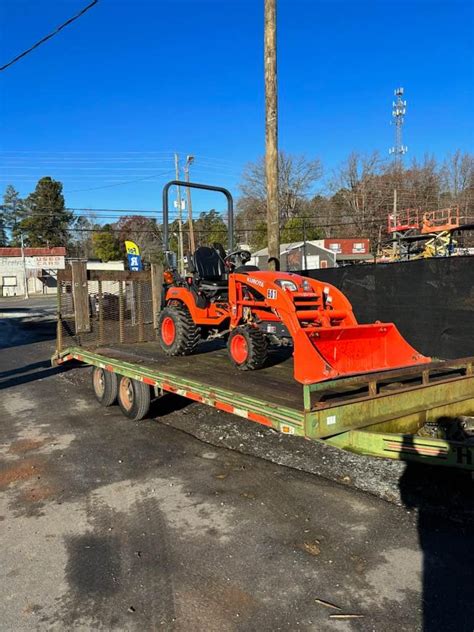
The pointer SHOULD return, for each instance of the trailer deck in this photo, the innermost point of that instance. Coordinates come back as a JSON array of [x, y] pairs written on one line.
[[107, 320], [380, 417]]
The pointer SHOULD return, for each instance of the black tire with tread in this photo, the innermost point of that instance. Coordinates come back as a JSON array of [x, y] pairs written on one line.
[[140, 401], [257, 345], [188, 334], [108, 394]]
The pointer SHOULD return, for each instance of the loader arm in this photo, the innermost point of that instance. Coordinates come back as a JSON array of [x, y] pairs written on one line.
[[327, 339]]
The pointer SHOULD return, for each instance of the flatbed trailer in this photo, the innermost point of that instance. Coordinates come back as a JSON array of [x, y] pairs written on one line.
[[107, 320]]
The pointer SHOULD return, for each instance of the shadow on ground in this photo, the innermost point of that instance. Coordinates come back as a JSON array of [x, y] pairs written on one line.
[[16, 332], [447, 566], [32, 373]]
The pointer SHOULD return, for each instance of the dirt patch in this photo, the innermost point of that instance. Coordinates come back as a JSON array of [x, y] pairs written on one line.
[[22, 446], [216, 607], [20, 471], [38, 493]]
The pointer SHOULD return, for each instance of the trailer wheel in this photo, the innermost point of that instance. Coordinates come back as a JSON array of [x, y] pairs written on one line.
[[247, 348], [105, 385], [178, 334], [133, 398]]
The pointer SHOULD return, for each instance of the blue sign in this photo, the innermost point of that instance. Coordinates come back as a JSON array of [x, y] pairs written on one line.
[[134, 263]]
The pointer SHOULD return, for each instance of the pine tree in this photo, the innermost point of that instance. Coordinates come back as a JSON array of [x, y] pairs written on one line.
[[3, 232], [13, 213], [47, 221]]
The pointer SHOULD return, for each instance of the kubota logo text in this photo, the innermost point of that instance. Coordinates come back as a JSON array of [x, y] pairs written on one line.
[[255, 281]]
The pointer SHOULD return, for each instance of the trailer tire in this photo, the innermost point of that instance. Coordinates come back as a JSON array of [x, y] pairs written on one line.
[[247, 347], [133, 398], [177, 332], [105, 385]]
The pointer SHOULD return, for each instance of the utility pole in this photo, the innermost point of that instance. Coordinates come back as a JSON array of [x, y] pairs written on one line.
[[271, 129], [180, 218], [25, 277], [305, 253], [192, 244]]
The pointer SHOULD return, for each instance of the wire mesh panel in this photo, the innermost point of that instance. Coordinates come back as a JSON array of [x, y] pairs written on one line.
[[120, 304]]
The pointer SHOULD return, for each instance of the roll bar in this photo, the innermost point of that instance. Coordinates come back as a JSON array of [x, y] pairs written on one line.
[[206, 187]]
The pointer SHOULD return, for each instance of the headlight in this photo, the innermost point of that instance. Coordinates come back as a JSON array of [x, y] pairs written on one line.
[[287, 285]]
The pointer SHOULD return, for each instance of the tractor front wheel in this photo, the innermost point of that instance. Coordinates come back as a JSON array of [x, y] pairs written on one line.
[[178, 335], [247, 347]]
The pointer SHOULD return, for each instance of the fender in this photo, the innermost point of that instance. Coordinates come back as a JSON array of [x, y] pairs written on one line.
[[209, 315]]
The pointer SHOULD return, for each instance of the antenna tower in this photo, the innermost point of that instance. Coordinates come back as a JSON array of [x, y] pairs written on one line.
[[399, 108]]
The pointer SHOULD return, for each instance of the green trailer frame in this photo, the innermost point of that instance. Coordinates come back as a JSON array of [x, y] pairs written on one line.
[[109, 319], [376, 414]]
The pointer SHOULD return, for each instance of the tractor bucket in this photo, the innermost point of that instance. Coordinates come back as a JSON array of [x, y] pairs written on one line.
[[352, 350]]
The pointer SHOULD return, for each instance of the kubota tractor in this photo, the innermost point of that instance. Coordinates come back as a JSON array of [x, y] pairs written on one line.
[[223, 296]]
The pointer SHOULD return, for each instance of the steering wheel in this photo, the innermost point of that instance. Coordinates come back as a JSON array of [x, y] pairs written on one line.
[[242, 256]]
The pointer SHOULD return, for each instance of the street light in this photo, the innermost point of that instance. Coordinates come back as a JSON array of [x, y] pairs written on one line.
[[192, 244]]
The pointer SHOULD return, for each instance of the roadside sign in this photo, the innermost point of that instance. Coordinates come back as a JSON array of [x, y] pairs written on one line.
[[133, 256], [134, 263]]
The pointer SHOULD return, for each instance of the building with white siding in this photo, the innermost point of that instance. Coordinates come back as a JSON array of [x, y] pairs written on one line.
[[33, 268]]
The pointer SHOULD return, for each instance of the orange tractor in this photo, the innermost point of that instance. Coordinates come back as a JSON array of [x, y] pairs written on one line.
[[223, 297]]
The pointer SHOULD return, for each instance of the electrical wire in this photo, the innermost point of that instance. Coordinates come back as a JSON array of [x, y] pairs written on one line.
[[106, 186], [48, 37]]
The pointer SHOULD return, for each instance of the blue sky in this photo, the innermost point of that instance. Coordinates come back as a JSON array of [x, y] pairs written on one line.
[[112, 96]]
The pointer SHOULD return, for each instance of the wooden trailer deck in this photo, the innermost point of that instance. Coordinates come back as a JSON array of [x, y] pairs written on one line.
[[211, 365], [109, 320], [377, 414]]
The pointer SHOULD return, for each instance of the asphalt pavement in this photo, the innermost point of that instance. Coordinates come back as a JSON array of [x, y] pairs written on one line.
[[106, 524]]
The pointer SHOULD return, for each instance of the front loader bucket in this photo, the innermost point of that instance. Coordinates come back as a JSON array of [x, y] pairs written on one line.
[[342, 351]]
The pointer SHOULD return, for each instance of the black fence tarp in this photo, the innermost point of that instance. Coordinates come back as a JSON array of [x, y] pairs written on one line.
[[430, 300]]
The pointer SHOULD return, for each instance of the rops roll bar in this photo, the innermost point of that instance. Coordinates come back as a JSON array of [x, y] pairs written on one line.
[[206, 187]]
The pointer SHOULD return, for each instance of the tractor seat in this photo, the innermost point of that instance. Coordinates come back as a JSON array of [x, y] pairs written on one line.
[[210, 268]]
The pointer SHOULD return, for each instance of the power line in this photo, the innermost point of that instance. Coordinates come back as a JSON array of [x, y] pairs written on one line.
[[82, 152], [48, 37], [76, 168], [106, 186]]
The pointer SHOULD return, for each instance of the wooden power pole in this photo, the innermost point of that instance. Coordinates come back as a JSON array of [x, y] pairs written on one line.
[[271, 130]]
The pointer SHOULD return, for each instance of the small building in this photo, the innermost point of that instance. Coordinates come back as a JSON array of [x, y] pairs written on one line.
[[348, 250], [35, 268], [297, 256], [95, 264]]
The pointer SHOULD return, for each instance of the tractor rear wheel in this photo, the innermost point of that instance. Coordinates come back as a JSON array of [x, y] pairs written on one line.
[[247, 347], [177, 332]]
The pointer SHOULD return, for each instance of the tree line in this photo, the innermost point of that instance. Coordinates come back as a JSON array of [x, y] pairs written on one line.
[[353, 200], [41, 219]]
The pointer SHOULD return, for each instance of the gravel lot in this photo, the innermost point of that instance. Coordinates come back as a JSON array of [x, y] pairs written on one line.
[[109, 524]]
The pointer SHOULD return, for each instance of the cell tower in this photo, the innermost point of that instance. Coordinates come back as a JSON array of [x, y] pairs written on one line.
[[399, 108], [399, 224]]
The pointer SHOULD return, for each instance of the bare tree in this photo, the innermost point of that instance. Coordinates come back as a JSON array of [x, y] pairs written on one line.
[[420, 185], [144, 231], [458, 182], [296, 177], [362, 192]]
